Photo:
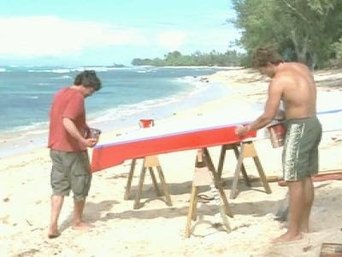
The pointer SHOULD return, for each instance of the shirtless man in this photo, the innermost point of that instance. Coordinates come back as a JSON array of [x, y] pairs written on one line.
[[293, 84]]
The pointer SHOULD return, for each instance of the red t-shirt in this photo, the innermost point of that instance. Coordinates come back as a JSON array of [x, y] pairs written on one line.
[[67, 103]]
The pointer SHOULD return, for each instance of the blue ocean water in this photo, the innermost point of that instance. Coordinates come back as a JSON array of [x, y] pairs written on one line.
[[128, 94]]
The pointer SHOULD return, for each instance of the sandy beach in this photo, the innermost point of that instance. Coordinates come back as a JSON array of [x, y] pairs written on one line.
[[156, 229]]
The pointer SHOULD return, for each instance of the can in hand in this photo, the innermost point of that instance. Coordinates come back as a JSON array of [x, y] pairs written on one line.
[[277, 134], [94, 133]]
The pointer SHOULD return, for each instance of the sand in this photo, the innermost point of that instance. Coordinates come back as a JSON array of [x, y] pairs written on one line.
[[156, 229]]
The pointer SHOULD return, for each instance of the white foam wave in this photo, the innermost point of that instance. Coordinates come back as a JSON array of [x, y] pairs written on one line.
[[43, 84], [101, 68], [62, 77], [31, 129], [61, 70], [125, 111]]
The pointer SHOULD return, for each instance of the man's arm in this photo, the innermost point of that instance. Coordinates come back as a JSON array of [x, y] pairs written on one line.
[[73, 131], [275, 91]]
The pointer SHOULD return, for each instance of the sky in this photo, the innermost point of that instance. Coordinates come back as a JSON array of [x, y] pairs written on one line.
[[107, 32]]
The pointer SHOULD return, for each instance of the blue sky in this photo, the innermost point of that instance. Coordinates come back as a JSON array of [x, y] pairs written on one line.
[[103, 32]]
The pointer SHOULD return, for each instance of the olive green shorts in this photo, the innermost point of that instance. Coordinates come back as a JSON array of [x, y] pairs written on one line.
[[300, 153], [70, 171]]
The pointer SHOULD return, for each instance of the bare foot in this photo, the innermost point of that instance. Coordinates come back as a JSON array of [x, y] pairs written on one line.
[[53, 233], [287, 237], [82, 226]]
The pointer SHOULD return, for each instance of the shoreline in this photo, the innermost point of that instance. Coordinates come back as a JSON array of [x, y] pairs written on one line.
[[156, 229], [11, 142]]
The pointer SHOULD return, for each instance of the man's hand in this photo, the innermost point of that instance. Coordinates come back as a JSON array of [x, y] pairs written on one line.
[[90, 142], [242, 130], [74, 132]]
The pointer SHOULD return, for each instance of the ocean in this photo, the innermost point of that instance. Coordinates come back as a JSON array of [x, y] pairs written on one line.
[[128, 94]]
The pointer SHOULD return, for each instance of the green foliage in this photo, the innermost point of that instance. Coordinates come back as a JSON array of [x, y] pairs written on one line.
[[338, 50], [302, 30], [230, 58]]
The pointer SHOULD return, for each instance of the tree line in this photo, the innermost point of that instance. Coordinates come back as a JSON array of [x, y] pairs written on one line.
[[176, 58]]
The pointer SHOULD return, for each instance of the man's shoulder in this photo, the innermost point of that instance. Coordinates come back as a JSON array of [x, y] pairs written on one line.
[[67, 91], [290, 72], [284, 77], [296, 67], [61, 91]]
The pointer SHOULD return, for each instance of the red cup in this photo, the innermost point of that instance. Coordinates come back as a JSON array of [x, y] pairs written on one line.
[[277, 134], [146, 123]]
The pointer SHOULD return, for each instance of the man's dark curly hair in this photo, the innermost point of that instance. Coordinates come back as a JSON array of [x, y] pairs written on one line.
[[264, 55], [88, 78]]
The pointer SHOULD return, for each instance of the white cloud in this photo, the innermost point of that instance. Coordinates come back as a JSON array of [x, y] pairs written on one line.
[[172, 40], [51, 37], [48, 35]]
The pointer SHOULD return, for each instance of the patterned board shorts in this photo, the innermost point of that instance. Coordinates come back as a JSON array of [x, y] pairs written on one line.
[[70, 171], [300, 153]]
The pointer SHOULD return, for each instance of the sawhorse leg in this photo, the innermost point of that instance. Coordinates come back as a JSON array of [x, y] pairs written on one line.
[[217, 181], [247, 149], [192, 213], [149, 163], [129, 180], [224, 149], [164, 186], [140, 186], [154, 181]]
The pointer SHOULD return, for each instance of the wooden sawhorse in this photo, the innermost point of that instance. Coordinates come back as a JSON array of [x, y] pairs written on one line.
[[203, 159], [247, 149], [149, 162]]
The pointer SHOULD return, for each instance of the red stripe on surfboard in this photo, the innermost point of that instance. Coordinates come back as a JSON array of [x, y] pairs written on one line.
[[106, 156]]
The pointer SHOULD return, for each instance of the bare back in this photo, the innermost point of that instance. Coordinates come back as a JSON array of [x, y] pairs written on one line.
[[298, 90]]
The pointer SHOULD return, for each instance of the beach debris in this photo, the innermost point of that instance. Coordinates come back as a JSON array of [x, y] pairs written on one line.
[[331, 250], [204, 79], [204, 198], [28, 253], [321, 176], [28, 222], [337, 138], [307, 248]]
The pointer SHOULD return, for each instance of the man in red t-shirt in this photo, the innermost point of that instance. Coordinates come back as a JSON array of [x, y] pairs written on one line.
[[69, 138]]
